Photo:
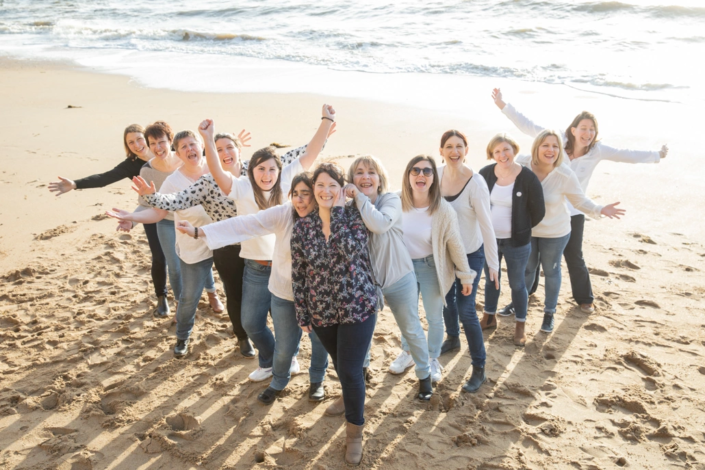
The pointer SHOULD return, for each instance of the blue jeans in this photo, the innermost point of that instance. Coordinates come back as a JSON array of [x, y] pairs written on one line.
[[548, 252], [193, 277], [517, 258], [432, 297], [319, 359], [347, 345], [403, 300], [167, 239], [256, 302], [461, 307]]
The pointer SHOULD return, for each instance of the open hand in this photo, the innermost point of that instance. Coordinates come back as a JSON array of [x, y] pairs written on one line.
[[332, 130], [64, 185], [119, 214], [244, 137], [340, 199], [497, 97], [124, 226], [612, 211], [185, 227], [141, 186]]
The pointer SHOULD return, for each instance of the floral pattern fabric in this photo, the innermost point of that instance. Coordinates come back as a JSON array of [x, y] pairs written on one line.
[[333, 281]]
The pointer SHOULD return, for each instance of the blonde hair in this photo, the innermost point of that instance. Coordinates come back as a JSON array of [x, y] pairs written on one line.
[[374, 163], [543, 135], [434, 192], [499, 139]]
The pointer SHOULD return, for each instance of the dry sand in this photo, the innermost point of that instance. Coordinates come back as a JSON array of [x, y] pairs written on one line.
[[87, 375]]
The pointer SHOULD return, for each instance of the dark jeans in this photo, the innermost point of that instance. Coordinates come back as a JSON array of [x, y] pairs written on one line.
[[158, 260], [347, 345], [577, 270], [516, 258], [231, 268], [461, 307]]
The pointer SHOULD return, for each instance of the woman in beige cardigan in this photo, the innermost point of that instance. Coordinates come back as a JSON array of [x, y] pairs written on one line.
[[432, 236]]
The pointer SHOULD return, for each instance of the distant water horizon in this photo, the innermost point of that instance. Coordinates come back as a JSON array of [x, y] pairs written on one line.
[[632, 50]]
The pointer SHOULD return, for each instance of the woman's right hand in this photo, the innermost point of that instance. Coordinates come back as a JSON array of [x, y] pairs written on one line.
[[120, 214], [185, 227], [124, 226], [497, 97], [340, 198], [63, 186], [350, 190], [207, 129], [328, 112], [612, 211], [141, 186], [306, 329]]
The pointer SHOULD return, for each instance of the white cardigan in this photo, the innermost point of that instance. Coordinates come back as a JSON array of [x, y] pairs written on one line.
[[584, 166], [559, 184]]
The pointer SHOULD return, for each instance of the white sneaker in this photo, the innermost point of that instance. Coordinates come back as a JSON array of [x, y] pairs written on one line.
[[260, 374], [436, 370], [295, 368], [401, 363]]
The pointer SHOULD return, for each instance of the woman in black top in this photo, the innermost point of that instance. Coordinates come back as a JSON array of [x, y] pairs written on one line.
[[517, 205]]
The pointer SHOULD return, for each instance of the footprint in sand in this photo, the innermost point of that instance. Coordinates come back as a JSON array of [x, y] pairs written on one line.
[[598, 272], [644, 238], [623, 263], [647, 365], [647, 303], [626, 277]]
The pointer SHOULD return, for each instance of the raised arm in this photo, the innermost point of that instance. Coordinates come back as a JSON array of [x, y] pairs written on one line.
[[244, 227], [319, 138], [524, 124], [376, 220], [221, 177]]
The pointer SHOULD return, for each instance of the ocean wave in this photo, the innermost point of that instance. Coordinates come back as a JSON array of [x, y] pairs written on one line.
[[602, 82], [195, 35]]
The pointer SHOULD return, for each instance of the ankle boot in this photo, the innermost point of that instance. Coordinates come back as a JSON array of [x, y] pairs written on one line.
[[162, 307], [425, 389], [488, 321], [476, 380], [450, 344], [353, 444], [336, 408], [519, 335]]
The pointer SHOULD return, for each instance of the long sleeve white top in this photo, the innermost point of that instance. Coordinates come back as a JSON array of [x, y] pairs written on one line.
[[559, 185], [475, 218], [190, 250], [259, 248], [277, 221], [391, 260], [584, 166]]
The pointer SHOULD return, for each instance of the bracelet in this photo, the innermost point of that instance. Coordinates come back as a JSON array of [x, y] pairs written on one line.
[[326, 117], [196, 233]]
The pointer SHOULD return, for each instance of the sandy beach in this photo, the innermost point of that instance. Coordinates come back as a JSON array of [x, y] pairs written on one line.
[[87, 375]]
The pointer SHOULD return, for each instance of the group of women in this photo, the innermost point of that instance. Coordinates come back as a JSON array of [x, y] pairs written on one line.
[[323, 251]]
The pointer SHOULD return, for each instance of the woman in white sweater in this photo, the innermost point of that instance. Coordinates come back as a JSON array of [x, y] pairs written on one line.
[[394, 272], [550, 236], [432, 236], [467, 193], [584, 152], [278, 221]]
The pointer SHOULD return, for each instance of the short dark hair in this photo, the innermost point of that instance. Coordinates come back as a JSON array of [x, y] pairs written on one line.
[[159, 129], [331, 169]]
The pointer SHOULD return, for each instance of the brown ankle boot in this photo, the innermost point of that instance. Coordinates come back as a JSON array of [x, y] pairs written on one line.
[[488, 321], [336, 408], [353, 444], [519, 335]]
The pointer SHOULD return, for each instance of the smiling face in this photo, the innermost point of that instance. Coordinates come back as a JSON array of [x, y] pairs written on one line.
[[454, 151], [549, 150], [227, 152], [326, 190], [266, 174], [189, 150], [136, 143], [503, 154], [421, 183], [302, 199], [160, 146], [367, 180], [584, 133]]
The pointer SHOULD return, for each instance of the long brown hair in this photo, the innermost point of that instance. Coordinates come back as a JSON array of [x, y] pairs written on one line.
[[304, 178], [434, 192], [129, 129], [570, 138], [275, 196]]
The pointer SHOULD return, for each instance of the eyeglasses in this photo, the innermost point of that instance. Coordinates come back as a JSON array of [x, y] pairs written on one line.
[[427, 172]]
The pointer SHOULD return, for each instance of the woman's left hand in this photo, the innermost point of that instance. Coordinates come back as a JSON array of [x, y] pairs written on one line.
[[612, 211], [494, 276], [244, 136], [340, 198], [119, 214], [185, 227], [124, 226], [328, 112], [350, 190], [467, 289], [664, 151]]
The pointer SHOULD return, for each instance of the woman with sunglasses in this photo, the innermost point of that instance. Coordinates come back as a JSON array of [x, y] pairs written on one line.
[[432, 237]]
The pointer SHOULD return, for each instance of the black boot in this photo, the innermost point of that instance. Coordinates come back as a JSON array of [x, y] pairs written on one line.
[[162, 310], [316, 392], [246, 348], [425, 389], [450, 344], [268, 396], [476, 379]]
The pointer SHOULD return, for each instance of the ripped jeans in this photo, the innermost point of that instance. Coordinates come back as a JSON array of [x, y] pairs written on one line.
[[548, 252]]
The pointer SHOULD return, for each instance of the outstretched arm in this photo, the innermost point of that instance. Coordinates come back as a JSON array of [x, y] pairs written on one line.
[[632, 156], [222, 177], [148, 216], [524, 124]]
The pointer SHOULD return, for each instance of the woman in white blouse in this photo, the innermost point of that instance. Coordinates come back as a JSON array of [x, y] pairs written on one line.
[[467, 193], [550, 236], [584, 151]]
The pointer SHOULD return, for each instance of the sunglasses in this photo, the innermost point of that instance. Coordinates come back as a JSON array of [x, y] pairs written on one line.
[[427, 172]]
